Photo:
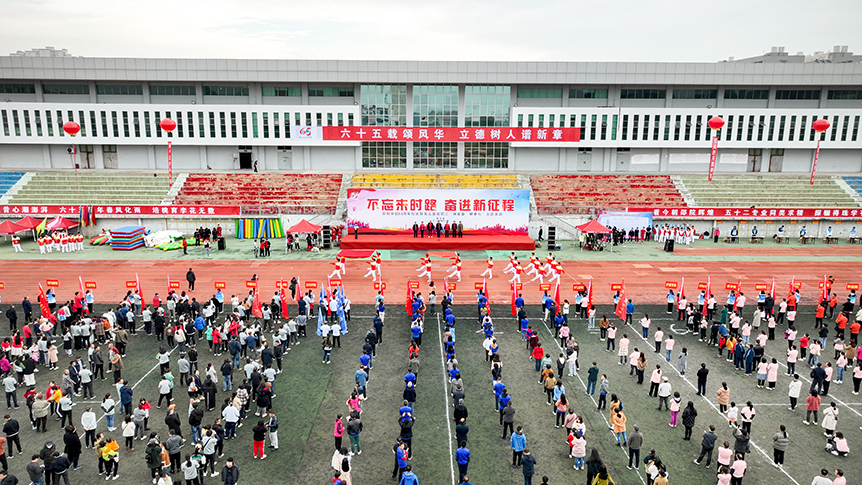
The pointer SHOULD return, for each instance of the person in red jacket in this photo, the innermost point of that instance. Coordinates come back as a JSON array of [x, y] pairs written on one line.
[[538, 354]]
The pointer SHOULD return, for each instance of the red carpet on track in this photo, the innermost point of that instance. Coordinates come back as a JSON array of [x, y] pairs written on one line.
[[466, 243]]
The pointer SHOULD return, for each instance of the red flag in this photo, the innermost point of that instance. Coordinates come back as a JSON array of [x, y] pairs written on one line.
[[738, 287], [620, 310], [487, 296], [792, 286], [86, 307], [514, 311], [140, 291], [557, 298], [298, 290], [43, 305], [590, 295], [824, 293], [772, 290], [706, 297], [283, 295], [682, 288], [256, 309]]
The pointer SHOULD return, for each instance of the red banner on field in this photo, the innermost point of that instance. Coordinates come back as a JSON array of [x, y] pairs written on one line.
[[850, 286], [797, 285], [761, 286], [2, 285], [52, 282], [311, 285], [671, 284], [545, 287], [414, 285], [579, 287], [452, 286], [251, 284], [702, 286], [435, 134], [379, 286], [616, 287], [173, 285], [131, 284], [478, 285], [732, 213], [731, 286], [335, 282], [121, 210], [220, 285], [90, 285], [518, 286]]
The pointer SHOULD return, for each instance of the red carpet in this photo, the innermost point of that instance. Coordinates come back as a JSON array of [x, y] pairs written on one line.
[[466, 243]]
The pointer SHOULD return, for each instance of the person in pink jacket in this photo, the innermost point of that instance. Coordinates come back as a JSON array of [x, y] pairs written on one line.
[[578, 446], [338, 431]]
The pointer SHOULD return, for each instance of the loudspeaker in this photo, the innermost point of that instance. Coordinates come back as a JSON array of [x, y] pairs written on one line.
[[221, 244], [668, 245], [552, 238], [326, 243]]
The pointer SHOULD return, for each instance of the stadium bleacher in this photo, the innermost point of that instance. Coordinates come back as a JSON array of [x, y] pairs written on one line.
[[7, 180], [769, 191], [291, 193], [435, 181], [92, 188], [855, 183], [570, 194]]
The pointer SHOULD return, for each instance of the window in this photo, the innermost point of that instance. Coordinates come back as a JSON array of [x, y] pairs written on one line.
[[17, 88], [642, 94], [283, 91], [66, 89], [109, 148], [487, 105], [331, 91], [172, 90], [844, 94], [540, 93], [435, 105], [797, 94], [225, 90], [695, 93], [746, 94], [588, 93], [435, 155], [384, 104], [384, 154], [119, 89], [486, 155]]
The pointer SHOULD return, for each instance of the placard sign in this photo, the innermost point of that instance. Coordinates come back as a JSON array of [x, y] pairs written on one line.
[[577, 287], [761, 286], [173, 285], [379, 286], [616, 287], [53, 283], [251, 284], [701, 286], [452, 286], [90, 285], [334, 282], [220, 285], [850, 286], [731, 286], [131, 284], [478, 285], [311, 285], [671, 284], [545, 287], [414, 285]]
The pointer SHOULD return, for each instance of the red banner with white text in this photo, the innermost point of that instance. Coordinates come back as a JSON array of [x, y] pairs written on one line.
[[471, 133]]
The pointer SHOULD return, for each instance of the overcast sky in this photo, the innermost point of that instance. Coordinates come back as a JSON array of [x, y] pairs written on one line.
[[622, 30]]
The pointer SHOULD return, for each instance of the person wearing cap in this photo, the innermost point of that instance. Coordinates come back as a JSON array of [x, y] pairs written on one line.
[[664, 393], [60, 468]]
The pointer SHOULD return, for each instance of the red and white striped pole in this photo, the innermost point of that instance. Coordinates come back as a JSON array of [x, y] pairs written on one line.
[[716, 122], [820, 126], [169, 125]]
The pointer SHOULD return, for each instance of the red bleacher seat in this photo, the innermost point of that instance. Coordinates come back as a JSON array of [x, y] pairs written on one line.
[[572, 194]]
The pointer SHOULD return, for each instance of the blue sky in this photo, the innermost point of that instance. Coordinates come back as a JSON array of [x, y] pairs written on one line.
[[622, 30]]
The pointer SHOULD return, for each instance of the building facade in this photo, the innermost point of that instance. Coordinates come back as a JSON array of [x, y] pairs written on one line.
[[231, 113]]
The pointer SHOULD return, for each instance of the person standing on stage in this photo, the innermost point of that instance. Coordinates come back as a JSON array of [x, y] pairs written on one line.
[[460, 230], [415, 229], [430, 229], [439, 229], [490, 268], [421, 230], [446, 229]]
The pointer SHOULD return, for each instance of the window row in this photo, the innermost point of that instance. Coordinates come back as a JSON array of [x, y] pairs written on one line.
[[435, 155]]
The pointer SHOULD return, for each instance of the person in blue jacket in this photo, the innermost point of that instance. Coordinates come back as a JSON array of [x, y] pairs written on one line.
[[462, 454]]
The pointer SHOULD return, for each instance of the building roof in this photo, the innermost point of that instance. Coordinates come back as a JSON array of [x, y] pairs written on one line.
[[425, 72]]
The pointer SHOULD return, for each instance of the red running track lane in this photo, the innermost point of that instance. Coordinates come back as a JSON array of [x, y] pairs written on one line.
[[644, 280]]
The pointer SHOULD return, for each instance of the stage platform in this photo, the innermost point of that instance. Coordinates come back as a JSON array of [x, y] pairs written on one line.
[[466, 243]]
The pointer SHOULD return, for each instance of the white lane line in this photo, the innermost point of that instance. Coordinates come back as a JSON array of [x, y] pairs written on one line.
[[446, 400], [751, 442], [595, 403]]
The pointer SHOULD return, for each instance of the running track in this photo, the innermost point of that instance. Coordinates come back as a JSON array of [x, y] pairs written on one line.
[[644, 280]]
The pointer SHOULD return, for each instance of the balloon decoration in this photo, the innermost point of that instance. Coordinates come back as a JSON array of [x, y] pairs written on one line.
[[820, 126], [169, 125]]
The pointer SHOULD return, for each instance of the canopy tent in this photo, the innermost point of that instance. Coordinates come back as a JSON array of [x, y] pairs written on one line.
[[593, 226], [9, 228], [60, 222], [304, 227], [29, 222]]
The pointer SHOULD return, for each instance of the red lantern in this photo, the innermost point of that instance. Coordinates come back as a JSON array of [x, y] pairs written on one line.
[[716, 122], [820, 125], [168, 125], [71, 128]]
